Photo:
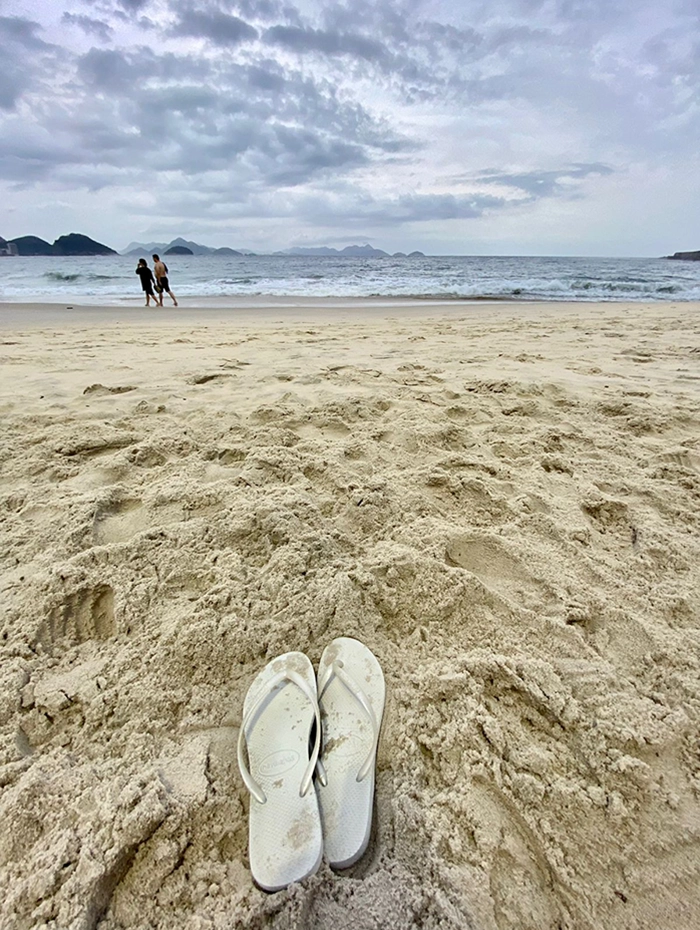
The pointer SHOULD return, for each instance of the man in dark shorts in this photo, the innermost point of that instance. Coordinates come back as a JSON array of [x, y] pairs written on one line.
[[160, 270], [147, 281]]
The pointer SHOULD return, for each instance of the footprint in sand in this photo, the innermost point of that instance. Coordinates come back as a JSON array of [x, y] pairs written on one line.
[[520, 876], [494, 567], [327, 427], [118, 522], [84, 615]]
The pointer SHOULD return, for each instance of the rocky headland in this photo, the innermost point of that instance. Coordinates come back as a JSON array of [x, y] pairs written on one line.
[[686, 256], [72, 244]]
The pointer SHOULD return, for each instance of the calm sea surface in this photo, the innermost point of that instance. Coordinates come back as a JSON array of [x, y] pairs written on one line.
[[111, 279]]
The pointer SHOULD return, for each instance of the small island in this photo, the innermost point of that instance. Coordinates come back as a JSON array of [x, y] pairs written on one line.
[[179, 250]]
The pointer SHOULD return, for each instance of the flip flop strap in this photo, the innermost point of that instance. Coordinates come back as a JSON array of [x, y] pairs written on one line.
[[249, 781], [337, 670]]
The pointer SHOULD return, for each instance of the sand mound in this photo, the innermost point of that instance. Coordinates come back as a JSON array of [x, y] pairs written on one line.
[[507, 512]]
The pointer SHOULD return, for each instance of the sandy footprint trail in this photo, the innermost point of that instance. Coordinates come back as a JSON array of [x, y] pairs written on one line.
[[506, 512]]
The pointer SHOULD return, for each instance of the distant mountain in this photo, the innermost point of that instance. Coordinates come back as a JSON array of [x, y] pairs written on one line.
[[76, 244], [363, 251], [298, 250], [72, 244], [163, 248], [194, 247], [351, 251], [144, 248], [32, 245]]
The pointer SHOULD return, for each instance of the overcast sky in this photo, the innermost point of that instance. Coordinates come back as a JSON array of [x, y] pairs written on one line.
[[452, 126]]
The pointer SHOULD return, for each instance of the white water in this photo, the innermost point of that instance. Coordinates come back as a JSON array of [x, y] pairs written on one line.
[[111, 279]]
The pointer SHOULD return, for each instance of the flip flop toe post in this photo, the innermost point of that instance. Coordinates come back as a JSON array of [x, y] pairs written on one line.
[[351, 697], [280, 709]]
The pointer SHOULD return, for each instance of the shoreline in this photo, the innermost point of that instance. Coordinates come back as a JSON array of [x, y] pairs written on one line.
[[250, 310]]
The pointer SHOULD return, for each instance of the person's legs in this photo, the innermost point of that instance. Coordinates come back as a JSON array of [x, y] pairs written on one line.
[[173, 298]]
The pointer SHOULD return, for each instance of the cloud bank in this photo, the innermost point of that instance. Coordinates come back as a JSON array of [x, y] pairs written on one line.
[[449, 125]]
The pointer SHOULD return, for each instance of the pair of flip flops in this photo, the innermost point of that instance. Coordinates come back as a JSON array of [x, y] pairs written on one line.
[[294, 817]]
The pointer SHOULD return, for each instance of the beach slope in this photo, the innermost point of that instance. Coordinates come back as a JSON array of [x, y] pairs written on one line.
[[502, 502]]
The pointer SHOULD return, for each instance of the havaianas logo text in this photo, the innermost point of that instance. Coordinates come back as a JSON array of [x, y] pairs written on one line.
[[277, 763]]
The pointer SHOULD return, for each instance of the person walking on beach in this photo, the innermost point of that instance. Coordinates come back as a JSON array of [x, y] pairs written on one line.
[[161, 272], [147, 281]]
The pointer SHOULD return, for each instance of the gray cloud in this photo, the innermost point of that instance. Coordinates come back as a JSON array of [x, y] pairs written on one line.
[[108, 69], [347, 208], [27, 156], [132, 6], [328, 43], [265, 124], [352, 210], [22, 32], [126, 73], [538, 184], [421, 208], [302, 154], [22, 54], [12, 84], [92, 27], [219, 28], [248, 10], [265, 10], [363, 55]]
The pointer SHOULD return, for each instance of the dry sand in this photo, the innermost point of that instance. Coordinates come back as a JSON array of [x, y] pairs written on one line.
[[502, 502]]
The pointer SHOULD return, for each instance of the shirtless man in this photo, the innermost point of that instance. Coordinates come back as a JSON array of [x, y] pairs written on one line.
[[160, 270]]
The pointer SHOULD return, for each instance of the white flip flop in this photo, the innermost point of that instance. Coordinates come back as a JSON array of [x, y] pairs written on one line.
[[351, 694], [285, 838]]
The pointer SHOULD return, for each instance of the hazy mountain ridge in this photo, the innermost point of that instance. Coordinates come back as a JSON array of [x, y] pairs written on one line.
[[350, 251], [196, 248], [80, 245]]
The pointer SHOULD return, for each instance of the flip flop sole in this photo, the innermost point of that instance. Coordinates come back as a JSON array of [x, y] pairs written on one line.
[[348, 738], [285, 838]]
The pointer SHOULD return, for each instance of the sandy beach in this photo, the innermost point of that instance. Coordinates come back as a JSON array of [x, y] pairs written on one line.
[[501, 500]]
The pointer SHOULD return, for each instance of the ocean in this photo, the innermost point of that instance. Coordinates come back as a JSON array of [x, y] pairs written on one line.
[[111, 279]]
